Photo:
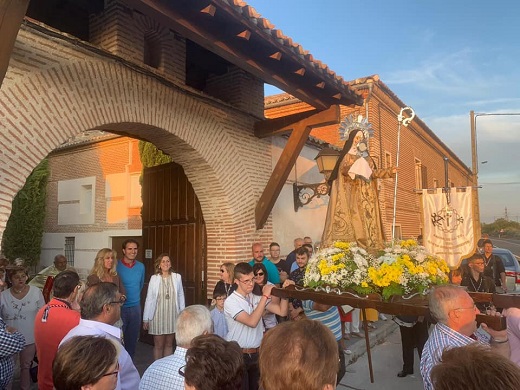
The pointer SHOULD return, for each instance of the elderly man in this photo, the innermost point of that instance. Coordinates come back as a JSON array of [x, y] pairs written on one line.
[[258, 257], [100, 310], [60, 264], [53, 322], [165, 373], [455, 313]]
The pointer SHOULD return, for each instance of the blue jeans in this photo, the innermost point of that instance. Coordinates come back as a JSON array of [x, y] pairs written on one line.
[[131, 317]]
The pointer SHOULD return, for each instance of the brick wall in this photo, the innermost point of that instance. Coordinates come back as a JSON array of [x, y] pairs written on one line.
[[416, 142], [53, 90]]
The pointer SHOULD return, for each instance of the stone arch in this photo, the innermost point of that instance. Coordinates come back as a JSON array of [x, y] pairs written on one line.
[[44, 104]]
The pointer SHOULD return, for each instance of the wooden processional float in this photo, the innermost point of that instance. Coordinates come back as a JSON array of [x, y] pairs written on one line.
[[450, 221]]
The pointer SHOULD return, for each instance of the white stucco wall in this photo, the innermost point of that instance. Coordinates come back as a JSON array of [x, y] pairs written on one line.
[[86, 246], [309, 219]]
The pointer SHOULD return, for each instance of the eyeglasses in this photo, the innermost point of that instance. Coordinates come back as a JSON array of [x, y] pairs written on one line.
[[474, 307], [122, 300], [259, 274], [116, 372], [181, 370], [248, 281]]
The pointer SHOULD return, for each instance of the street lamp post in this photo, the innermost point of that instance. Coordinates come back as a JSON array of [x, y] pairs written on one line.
[[474, 153]]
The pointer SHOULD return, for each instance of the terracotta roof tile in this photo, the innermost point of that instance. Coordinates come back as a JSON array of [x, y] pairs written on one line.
[[248, 11]]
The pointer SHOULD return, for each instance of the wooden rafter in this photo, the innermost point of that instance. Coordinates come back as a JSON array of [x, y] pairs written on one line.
[[299, 135], [11, 16], [242, 44], [284, 124]]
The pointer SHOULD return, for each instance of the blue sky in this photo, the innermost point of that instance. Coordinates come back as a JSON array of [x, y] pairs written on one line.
[[443, 58]]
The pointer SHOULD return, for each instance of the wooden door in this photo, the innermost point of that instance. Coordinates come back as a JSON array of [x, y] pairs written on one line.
[[173, 224]]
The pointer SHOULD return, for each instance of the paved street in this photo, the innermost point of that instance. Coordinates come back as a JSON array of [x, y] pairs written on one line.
[[507, 243], [387, 362]]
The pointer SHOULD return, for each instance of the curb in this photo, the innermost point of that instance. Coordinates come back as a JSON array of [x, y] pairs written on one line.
[[377, 336]]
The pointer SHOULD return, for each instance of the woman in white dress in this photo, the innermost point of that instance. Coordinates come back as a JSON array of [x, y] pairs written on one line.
[[18, 307], [164, 302]]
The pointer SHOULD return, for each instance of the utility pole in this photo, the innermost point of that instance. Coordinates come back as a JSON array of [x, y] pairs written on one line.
[[474, 170]]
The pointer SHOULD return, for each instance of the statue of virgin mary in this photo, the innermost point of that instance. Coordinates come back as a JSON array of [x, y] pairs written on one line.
[[353, 214]]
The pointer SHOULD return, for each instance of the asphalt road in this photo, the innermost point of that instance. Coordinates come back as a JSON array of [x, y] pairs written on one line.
[[512, 244]]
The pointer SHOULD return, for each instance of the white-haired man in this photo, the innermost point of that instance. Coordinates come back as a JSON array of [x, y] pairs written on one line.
[[455, 313], [166, 373]]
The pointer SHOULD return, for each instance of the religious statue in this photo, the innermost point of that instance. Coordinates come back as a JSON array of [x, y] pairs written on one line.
[[353, 214]]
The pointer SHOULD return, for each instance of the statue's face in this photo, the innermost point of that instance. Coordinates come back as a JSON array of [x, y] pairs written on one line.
[[358, 138]]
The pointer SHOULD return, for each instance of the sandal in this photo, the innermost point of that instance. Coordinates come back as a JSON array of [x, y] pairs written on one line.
[[346, 336]]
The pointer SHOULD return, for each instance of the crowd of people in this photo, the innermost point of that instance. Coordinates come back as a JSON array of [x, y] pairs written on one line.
[[84, 334]]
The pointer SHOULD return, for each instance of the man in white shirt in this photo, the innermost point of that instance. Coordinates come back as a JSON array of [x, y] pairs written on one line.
[[166, 373], [243, 312], [100, 310]]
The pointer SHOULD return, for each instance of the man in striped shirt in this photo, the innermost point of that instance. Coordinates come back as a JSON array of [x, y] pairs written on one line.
[[328, 316], [455, 313]]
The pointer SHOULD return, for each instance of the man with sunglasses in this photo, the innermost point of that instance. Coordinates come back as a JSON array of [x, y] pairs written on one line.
[[258, 257], [100, 310], [456, 326]]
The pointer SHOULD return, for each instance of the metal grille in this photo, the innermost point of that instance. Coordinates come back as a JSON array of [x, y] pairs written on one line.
[[70, 246]]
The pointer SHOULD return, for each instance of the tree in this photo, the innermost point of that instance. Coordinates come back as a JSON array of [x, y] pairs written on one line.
[[151, 156], [24, 230]]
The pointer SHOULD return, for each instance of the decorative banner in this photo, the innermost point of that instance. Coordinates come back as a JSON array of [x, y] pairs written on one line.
[[448, 228]]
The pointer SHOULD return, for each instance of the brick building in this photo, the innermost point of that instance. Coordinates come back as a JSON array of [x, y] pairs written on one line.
[[421, 162], [188, 77]]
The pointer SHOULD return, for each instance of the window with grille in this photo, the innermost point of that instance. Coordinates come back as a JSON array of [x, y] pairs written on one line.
[[418, 174], [388, 160], [70, 246]]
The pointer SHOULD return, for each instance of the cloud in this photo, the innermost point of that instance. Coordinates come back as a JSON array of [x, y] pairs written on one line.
[[454, 73]]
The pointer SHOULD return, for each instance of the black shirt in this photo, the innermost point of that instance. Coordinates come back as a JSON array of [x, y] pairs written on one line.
[[493, 268]]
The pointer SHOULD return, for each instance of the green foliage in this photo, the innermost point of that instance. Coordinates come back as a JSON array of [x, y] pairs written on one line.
[[24, 231], [151, 156], [510, 229]]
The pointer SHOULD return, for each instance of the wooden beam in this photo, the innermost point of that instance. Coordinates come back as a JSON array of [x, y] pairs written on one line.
[[312, 118], [11, 17], [280, 173], [210, 10], [299, 135], [206, 35]]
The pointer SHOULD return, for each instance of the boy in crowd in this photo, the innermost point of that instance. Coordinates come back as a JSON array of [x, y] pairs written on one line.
[[217, 314]]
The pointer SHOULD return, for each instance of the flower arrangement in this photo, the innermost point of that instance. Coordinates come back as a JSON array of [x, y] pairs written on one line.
[[404, 268], [407, 268], [345, 266]]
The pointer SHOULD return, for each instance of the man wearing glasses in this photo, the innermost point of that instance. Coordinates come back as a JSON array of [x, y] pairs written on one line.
[[476, 281], [243, 311], [456, 326], [100, 310]]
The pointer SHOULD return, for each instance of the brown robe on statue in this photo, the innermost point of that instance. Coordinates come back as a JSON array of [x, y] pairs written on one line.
[[353, 214]]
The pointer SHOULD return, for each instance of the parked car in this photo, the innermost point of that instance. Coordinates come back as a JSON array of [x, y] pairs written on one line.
[[512, 268]]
